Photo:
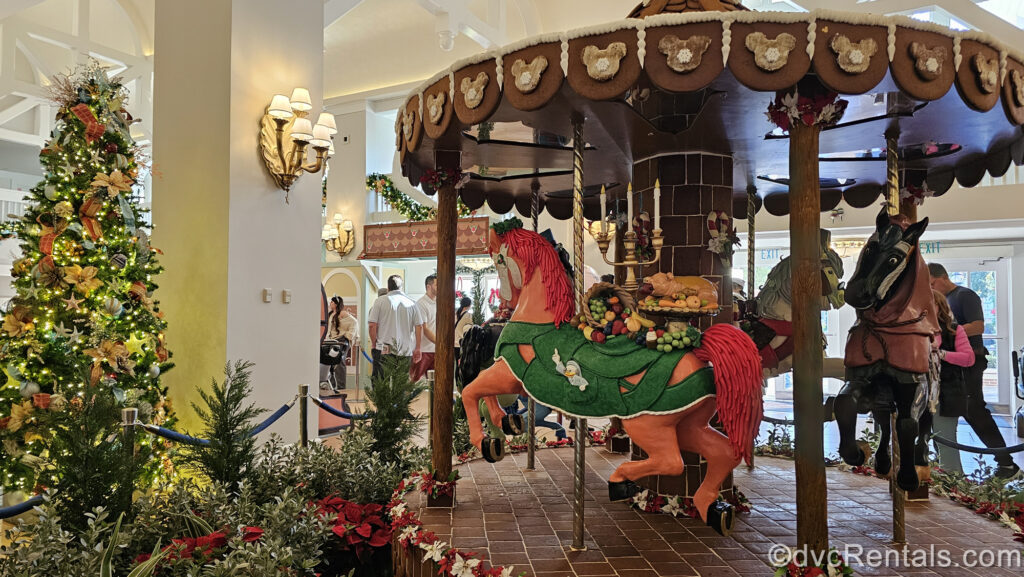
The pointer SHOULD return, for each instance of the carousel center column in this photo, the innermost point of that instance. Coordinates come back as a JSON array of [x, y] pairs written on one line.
[[224, 226], [693, 185]]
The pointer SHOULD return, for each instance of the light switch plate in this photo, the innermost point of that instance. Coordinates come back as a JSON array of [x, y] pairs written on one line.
[[286, 296], [268, 295]]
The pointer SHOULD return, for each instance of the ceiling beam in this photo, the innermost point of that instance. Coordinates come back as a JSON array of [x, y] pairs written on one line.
[[455, 16], [334, 10], [22, 138], [12, 7]]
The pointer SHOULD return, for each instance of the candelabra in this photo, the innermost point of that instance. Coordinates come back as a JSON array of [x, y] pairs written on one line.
[[631, 262]]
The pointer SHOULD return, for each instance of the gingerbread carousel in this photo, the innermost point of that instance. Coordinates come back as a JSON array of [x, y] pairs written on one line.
[[660, 130]]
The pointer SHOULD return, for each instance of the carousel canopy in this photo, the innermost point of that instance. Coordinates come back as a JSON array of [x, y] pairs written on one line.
[[697, 76]]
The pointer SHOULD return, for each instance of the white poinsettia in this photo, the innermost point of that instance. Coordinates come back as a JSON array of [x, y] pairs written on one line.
[[463, 567], [507, 571], [433, 551], [835, 571], [398, 510], [408, 532], [641, 499], [673, 507]]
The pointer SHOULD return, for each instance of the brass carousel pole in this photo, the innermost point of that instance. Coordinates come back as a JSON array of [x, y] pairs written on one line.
[[751, 210], [579, 472], [805, 242], [531, 406], [892, 201]]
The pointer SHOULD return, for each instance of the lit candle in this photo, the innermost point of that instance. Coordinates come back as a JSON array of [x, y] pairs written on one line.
[[657, 203], [629, 207], [604, 211]]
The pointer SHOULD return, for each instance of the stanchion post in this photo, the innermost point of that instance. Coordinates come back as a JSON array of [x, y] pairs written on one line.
[[430, 410], [303, 415], [129, 419]]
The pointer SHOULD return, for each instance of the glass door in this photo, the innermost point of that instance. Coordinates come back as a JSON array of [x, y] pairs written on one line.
[[988, 278]]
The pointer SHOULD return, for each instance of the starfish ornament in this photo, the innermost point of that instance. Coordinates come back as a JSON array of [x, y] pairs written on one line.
[[134, 345], [61, 330], [72, 303], [75, 336]]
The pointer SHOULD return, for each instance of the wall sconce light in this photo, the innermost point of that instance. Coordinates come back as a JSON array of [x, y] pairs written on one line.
[[285, 132], [476, 263], [339, 236], [847, 248]]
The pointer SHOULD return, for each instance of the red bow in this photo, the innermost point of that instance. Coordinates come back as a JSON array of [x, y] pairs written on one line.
[[88, 212]]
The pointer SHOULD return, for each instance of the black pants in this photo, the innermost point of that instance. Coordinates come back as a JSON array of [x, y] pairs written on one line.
[[977, 414], [380, 358]]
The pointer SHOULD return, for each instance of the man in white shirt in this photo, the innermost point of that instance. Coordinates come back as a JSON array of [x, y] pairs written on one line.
[[395, 325], [427, 306]]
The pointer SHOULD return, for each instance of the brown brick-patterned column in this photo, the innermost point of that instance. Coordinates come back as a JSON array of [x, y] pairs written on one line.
[[692, 185]]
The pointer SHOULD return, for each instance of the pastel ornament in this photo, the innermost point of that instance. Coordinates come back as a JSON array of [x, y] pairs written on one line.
[[473, 90], [154, 371], [118, 261], [27, 389], [928, 62], [527, 76], [603, 65], [853, 57], [112, 307], [683, 55], [770, 54]]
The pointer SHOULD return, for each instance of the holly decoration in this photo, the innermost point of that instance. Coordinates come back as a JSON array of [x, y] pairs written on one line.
[[400, 202], [84, 320], [816, 106]]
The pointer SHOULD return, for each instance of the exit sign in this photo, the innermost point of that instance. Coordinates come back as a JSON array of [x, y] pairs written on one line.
[[934, 247]]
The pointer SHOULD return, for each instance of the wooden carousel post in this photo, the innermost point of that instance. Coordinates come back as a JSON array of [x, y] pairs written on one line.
[[579, 465], [531, 405], [892, 201], [805, 247], [444, 365]]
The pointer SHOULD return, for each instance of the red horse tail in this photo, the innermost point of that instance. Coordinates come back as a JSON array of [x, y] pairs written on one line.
[[737, 366]]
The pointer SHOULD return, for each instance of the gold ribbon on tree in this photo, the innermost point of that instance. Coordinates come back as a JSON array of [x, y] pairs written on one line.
[[87, 213]]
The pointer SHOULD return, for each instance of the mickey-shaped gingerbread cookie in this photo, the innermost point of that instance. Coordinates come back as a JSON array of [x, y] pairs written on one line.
[[927, 61], [527, 76], [1017, 78], [435, 107], [473, 90], [770, 54], [407, 120], [603, 65], [988, 73], [683, 55], [853, 57]]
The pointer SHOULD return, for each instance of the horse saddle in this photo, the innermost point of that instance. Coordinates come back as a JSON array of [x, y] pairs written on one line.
[[586, 379]]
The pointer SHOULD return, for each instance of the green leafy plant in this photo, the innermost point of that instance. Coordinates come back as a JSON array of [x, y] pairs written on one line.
[[393, 425], [228, 424], [92, 464]]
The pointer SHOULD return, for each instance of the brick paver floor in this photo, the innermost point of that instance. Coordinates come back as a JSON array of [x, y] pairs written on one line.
[[524, 518]]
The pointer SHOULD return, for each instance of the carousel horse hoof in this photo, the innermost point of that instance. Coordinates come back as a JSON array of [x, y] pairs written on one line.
[[492, 449], [512, 425], [720, 517], [883, 463], [856, 455], [906, 477], [622, 490]]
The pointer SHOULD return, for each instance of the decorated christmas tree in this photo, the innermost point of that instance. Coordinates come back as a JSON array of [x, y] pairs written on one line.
[[83, 322]]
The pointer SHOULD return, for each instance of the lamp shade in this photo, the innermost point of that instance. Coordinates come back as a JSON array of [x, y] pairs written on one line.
[[330, 149], [321, 136], [300, 100], [302, 130], [280, 107], [347, 225], [325, 233], [338, 218], [327, 119]]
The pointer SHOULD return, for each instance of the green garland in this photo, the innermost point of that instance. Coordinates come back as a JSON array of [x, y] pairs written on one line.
[[407, 207]]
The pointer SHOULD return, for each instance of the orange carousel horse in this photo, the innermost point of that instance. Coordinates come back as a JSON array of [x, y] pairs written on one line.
[[666, 400]]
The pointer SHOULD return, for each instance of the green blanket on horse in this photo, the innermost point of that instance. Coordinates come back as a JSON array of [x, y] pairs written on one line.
[[585, 379]]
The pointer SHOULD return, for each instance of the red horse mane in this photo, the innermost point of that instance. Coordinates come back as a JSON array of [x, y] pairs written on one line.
[[532, 251]]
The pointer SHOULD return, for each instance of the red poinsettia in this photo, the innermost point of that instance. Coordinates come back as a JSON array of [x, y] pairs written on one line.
[[251, 534], [358, 526]]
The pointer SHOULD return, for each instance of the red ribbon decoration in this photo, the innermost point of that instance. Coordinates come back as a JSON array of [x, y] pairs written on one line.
[[50, 234], [138, 290], [88, 212], [93, 129]]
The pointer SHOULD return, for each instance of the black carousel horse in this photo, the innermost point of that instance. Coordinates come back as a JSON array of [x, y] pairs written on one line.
[[888, 349]]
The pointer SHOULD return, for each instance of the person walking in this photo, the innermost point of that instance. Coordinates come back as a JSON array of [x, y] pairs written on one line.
[[342, 326], [955, 355], [427, 306], [463, 320], [965, 305], [396, 329]]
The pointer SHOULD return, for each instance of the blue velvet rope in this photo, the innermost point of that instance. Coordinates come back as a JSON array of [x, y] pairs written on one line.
[[271, 419], [24, 507], [336, 412], [174, 435]]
